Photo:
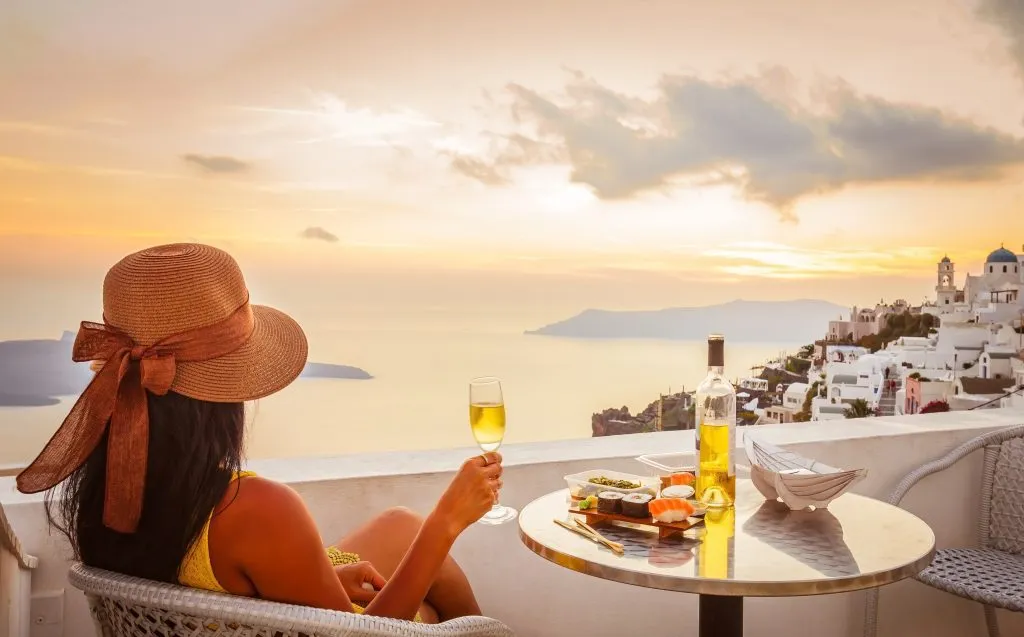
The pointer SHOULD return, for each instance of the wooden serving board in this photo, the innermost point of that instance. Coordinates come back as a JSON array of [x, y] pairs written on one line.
[[665, 529]]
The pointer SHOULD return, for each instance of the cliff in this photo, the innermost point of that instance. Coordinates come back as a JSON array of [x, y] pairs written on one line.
[[739, 321], [677, 409], [37, 373], [677, 413], [332, 370]]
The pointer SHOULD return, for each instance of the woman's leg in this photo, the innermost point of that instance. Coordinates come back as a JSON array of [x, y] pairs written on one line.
[[383, 542]]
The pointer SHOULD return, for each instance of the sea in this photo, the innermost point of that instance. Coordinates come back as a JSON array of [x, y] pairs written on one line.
[[417, 398], [422, 335]]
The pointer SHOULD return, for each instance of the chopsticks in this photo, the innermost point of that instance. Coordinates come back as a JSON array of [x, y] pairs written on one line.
[[615, 546], [588, 532]]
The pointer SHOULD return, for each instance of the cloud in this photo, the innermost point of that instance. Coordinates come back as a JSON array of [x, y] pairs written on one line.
[[1008, 15], [506, 151], [775, 260], [331, 118], [220, 164], [318, 233], [742, 132], [37, 128], [483, 171], [12, 163]]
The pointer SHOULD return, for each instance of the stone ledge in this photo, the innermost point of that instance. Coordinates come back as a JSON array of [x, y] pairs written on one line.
[[399, 463]]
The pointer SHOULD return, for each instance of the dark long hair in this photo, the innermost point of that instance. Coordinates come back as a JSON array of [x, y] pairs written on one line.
[[194, 448]]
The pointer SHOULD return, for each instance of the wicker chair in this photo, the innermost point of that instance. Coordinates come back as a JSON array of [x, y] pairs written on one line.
[[993, 573], [125, 606]]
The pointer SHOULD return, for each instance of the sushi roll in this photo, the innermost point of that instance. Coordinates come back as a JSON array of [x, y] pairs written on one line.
[[609, 502], [634, 505], [670, 509]]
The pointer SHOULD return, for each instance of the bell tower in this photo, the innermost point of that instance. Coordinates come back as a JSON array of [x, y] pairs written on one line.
[[945, 282]]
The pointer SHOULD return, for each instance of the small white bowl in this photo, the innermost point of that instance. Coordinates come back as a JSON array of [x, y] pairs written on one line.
[[683, 491]]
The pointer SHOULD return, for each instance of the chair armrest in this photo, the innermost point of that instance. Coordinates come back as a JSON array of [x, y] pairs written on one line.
[[951, 458]]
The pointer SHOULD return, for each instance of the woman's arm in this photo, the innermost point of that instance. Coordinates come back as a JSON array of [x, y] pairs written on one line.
[[471, 494]]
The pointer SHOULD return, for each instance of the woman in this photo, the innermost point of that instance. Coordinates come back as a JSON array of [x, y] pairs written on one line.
[[150, 457]]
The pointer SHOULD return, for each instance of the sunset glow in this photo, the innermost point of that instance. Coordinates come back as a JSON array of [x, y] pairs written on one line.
[[286, 124]]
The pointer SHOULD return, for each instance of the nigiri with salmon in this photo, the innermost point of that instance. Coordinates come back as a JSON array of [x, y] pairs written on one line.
[[670, 509], [683, 477]]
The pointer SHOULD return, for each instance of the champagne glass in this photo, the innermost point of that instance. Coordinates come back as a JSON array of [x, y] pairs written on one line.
[[487, 420]]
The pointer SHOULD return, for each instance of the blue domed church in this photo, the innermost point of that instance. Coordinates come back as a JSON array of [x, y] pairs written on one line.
[[1000, 283]]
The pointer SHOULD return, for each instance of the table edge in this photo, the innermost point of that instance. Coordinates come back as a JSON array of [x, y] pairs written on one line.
[[727, 588]]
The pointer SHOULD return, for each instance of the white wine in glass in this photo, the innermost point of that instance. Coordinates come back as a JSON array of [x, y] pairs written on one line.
[[487, 421]]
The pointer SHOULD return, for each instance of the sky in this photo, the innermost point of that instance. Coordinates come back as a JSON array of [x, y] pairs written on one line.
[[597, 151]]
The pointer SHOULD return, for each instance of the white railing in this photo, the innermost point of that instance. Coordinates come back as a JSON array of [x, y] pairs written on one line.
[[10, 470], [546, 599], [15, 583]]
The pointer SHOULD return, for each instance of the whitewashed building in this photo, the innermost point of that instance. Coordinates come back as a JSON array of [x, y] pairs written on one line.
[[995, 363], [995, 295], [845, 383], [978, 393], [793, 397], [754, 384], [864, 321], [1016, 400]]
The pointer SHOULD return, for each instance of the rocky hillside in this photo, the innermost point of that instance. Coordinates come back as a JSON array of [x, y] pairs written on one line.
[[677, 413], [677, 409]]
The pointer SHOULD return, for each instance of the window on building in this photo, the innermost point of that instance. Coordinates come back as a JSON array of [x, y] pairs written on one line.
[[947, 301], [1004, 269]]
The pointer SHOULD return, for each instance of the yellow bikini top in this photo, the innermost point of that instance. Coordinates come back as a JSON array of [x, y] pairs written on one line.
[[197, 569]]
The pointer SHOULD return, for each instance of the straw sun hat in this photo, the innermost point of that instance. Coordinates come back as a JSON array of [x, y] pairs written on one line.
[[175, 318]]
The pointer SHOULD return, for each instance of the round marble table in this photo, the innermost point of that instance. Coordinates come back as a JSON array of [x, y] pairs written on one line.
[[757, 549]]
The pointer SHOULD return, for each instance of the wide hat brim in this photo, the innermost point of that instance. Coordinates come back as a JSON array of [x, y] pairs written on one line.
[[269, 361]]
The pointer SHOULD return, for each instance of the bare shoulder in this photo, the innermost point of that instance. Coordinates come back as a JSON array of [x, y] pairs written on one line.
[[256, 490], [253, 502], [262, 538]]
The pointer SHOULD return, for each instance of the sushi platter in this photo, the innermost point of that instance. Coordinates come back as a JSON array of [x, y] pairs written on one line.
[[665, 529], [604, 497]]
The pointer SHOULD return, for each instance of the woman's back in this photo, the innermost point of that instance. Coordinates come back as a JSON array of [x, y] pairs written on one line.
[[197, 566]]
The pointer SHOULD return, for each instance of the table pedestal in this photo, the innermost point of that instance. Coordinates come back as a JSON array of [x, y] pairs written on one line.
[[721, 616]]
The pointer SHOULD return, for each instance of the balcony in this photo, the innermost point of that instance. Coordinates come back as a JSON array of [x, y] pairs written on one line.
[[549, 600]]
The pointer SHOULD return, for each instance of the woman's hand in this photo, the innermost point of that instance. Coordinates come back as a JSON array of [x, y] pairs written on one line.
[[360, 580], [472, 492]]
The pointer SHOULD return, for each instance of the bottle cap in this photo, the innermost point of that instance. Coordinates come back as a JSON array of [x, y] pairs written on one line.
[[716, 350]]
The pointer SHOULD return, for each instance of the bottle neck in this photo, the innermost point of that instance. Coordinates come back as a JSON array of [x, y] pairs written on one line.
[[715, 370]]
